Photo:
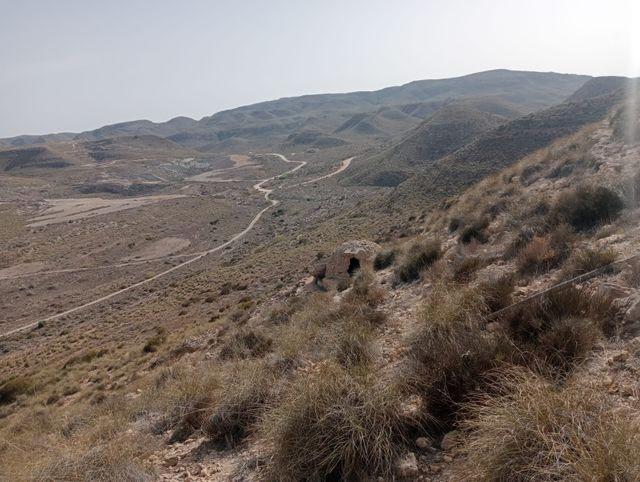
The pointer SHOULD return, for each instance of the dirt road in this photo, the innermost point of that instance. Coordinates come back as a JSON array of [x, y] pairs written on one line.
[[258, 187]]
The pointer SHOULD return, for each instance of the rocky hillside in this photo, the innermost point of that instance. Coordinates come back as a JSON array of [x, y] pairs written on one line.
[[450, 128], [497, 342], [502, 146]]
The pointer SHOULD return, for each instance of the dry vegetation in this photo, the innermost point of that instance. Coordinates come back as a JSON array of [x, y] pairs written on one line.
[[338, 385]]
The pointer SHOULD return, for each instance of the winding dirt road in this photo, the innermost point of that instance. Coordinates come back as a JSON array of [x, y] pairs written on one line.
[[345, 164], [258, 187]]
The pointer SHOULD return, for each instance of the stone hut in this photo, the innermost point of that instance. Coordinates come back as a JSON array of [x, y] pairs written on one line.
[[348, 258]]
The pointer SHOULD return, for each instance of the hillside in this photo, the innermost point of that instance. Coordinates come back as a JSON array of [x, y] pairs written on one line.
[[450, 128], [454, 352], [502, 146], [389, 111]]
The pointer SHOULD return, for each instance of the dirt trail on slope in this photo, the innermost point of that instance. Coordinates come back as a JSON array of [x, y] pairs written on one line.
[[258, 187]]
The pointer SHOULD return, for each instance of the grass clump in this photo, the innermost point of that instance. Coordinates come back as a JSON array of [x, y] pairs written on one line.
[[475, 231], [244, 393], [496, 292], [155, 341], [588, 207], [11, 389], [419, 255], [331, 425], [450, 352], [587, 260], [533, 430], [384, 259], [465, 268], [104, 462], [246, 344]]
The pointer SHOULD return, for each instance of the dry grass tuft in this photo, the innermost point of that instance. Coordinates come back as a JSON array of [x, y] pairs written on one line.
[[245, 391], [586, 260], [419, 255], [496, 292], [11, 389], [102, 463], [533, 430], [330, 425], [588, 207], [450, 352], [384, 259]]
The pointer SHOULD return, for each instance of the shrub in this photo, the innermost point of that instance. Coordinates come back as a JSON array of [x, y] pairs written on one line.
[[532, 430], [536, 257], [464, 269], [450, 353], [566, 342], [246, 344], [475, 231], [587, 207], [556, 331], [587, 260], [353, 347], [11, 389], [365, 291], [243, 395], [455, 224], [418, 256], [330, 425], [155, 341], [384, 259], [496, 292], [105, 462]]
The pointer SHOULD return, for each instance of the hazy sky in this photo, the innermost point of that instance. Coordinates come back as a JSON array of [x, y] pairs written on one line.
[[72, 65]]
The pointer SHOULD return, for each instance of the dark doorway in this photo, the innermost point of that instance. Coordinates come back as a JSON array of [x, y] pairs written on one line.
[[354, 265]]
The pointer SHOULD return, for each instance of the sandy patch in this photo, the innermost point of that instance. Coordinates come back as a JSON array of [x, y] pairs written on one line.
[[162, 247], [22, 269], [63, 210], [240, 159]]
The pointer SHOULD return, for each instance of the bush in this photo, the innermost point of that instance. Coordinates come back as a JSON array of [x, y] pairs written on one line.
[[155, 341], [450, 353], [567, 342], [464, 269], [588, 207], [418, 256], [475, 231], [245, 392], [556, 331], [536, 257], [532, 430], [384, 259], [497, 292], [587, 260], [101, 463], [11, 389], [330, 425], [246, 344]]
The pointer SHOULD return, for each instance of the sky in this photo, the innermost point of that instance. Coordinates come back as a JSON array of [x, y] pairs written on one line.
[[75, 65]]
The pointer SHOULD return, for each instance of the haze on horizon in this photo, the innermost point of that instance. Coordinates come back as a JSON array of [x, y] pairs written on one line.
[[75, 65]]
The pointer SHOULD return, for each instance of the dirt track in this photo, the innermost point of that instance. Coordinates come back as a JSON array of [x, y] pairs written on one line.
[[258, 187]]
